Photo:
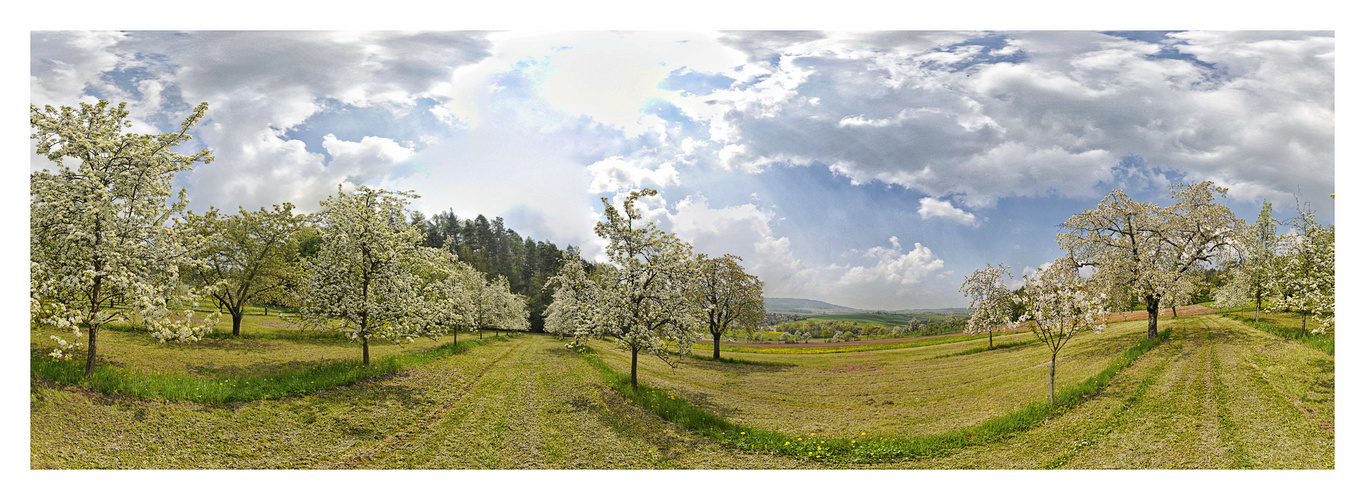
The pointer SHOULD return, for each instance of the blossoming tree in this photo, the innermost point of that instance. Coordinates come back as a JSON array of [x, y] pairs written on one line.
[[990, 300], [1150, 252], [727, 296], [1058, 304], [367, 273], [1306, 277], [641, 299], [102, 229], [1250, 279]]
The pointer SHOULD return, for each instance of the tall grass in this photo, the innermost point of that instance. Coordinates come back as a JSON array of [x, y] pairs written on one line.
[[862, 450], [182, 387], [1319, 342]]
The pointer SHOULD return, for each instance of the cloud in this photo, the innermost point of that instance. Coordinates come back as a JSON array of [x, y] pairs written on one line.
[[63, 63], [616, 174], [746, 230], [981, 116], [893, 267], [260, 87], [368, 159], [930, 208]]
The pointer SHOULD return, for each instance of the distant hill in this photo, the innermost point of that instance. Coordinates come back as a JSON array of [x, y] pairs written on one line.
[[802, 306]]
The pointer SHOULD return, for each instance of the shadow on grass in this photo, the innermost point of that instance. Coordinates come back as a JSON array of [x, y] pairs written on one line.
[[691, 417], [305, 379]]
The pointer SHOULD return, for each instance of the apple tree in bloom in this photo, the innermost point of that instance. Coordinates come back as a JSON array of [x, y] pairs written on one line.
[[1058, 304], [491, 305], [247, 255], [446, 291], [101, 228], [727, 296], [641, 298], [1306, 276], [990, 300], [1153, 253], [1250, 280], [573, 299], [367, 274]]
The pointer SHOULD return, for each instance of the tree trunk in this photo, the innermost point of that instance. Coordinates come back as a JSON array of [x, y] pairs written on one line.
[[1153, 310], [715, 353], [92, 331], [634, 356], [990, 338], [237, 323], [1303, 330], [1051, 378], [1258, 309], [1173, 314], [365, 348]]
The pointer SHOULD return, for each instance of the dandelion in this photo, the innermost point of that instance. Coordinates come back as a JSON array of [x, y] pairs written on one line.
[[786, 443]]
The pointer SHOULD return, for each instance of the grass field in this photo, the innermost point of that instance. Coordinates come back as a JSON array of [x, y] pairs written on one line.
[[1216, 394], [886, 320], [879, 392]]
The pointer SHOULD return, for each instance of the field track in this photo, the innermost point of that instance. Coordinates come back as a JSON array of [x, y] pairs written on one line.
[[1213, 396]]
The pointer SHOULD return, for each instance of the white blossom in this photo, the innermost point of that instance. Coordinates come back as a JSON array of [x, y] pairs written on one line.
[[640, 299], [103, 239], [1058, 304]]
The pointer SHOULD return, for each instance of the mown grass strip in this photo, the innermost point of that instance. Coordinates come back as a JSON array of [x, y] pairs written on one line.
[[832, 348], [155, 385], [974, 350], [739, 361], [862, 450], [1319, 342]]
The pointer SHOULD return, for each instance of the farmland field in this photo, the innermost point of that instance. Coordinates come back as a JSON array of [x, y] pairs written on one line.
[[1215, 394]]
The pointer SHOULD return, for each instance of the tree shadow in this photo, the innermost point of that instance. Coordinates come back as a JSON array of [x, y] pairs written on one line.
[[1324, 385]]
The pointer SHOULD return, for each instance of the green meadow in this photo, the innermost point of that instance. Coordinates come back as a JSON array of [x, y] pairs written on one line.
[[1212, 393]]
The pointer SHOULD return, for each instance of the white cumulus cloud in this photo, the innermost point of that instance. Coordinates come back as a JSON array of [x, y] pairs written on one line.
[[931, 208]]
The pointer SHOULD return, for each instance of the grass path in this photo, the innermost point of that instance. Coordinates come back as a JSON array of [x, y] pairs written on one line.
[[522, 403], [1216, 395], [545, 407]]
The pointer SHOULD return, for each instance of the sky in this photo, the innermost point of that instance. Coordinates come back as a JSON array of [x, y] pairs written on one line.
[[870, 169]]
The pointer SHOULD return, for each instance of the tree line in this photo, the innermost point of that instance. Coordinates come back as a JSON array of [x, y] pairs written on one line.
[[849, 330], [496, 250], [1161, 257], [108, 242]]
